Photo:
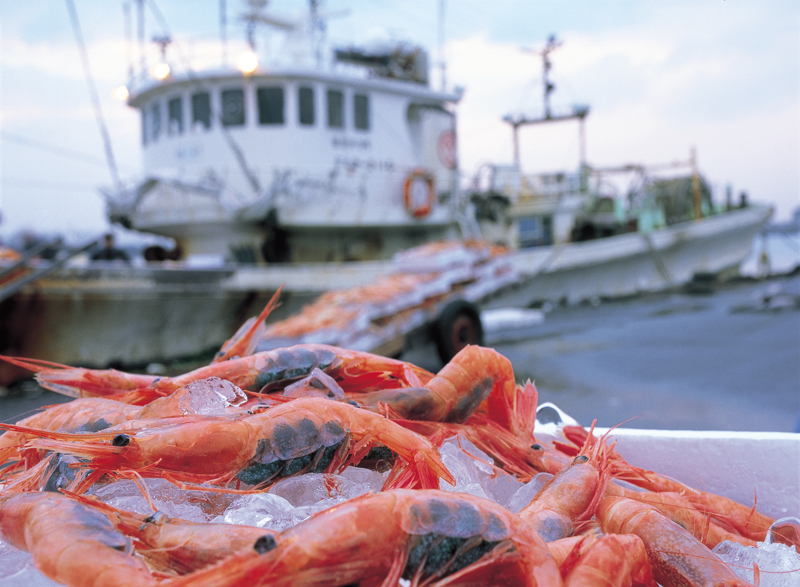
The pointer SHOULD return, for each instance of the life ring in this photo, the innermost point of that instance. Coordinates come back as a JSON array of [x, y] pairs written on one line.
[[419, 193]]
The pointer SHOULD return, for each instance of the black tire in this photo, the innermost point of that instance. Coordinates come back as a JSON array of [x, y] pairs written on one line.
[[458, 325]]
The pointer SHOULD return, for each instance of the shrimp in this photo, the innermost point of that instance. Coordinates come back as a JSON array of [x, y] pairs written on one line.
[[70, 542], [729, 514], [260, 372], [305, 434], [613, 560], [570, 497], [676, 557], [96, 414], [680, 510], [477, 378], [88, 414], [427, 537], [172, 544]]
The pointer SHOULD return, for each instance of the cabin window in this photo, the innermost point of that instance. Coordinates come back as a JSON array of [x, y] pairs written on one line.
[[535, 231], [233, 107], [155, 121], [270, 105], [305, 99], [335, 109], [361, 111], [201, 110], [175, 113]]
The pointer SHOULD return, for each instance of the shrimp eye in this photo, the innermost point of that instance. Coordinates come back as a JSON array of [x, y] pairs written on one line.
[[121, 440], [352, 403], [580, 459], [156, 518], [265, 544], [536, 446]]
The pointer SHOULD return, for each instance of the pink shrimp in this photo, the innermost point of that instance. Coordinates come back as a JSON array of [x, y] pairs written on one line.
[[681, 511], [96, 414], [727, 513], [427, 537], [179, 546], [305, 434], [70, 542], [571, 496], [477, 378], [676, 557], [257, 373], [613, 560]]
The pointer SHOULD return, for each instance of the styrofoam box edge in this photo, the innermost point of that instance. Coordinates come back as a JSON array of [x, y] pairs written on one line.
[[743, 466]]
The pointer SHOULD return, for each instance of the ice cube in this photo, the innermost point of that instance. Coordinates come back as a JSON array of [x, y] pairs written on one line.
[[17, 569], [785, 531], [779, 565], [212, 395], [527, 492], [264, 510], [469, 465], [317, 384], [191, 505], [502, 488], [312, 488]]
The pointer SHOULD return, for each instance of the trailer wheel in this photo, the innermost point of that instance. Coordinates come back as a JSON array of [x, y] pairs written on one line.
[[458, 325]]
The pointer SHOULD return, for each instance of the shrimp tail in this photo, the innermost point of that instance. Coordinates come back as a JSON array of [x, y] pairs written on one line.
[[424, 473], [240, 344], [523, 411]]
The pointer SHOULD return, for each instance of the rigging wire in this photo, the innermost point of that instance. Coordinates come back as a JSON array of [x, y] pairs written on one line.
[[54, 149], [234, 146], [98, 113]]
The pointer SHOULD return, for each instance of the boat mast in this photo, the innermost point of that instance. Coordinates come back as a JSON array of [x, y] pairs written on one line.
[[578, 112]]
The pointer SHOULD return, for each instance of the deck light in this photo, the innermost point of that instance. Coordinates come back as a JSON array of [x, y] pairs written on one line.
[[160, 71], [120, 93], [247, 62]]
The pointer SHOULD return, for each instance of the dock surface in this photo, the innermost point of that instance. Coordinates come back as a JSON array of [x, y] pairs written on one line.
[[717, 361]]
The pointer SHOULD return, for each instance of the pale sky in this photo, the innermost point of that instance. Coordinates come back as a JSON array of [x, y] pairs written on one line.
[[722, 76]]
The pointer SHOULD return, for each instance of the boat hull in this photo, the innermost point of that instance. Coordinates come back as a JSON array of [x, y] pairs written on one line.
[[131, 317], [634, 263]]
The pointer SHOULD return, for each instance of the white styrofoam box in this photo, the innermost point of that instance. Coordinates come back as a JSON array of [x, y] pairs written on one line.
[[743, 466], [509, 318]]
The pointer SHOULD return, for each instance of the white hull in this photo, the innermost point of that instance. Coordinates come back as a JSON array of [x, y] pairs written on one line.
[[633, 263]]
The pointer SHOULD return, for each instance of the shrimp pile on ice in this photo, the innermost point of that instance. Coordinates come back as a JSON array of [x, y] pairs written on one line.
[[96, 489]]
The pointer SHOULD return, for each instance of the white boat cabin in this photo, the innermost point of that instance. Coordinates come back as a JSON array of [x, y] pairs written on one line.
[[293, 164]]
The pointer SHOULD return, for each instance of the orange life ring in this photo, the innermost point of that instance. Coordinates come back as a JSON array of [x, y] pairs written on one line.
[[419, 204]]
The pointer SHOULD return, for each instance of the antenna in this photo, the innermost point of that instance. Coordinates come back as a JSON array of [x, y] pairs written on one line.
[[552, 45], [579, 112], [223, 31], [126, 7], [442, 63]]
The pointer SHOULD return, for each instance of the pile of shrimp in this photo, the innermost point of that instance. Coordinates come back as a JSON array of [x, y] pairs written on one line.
[[239, 426], [424, 280]]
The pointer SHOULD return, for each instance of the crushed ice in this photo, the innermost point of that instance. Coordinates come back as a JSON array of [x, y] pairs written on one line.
[[294, 500], [778, 564]]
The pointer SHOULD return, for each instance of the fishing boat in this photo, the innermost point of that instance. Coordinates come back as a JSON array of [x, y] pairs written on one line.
[[312, 172]]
